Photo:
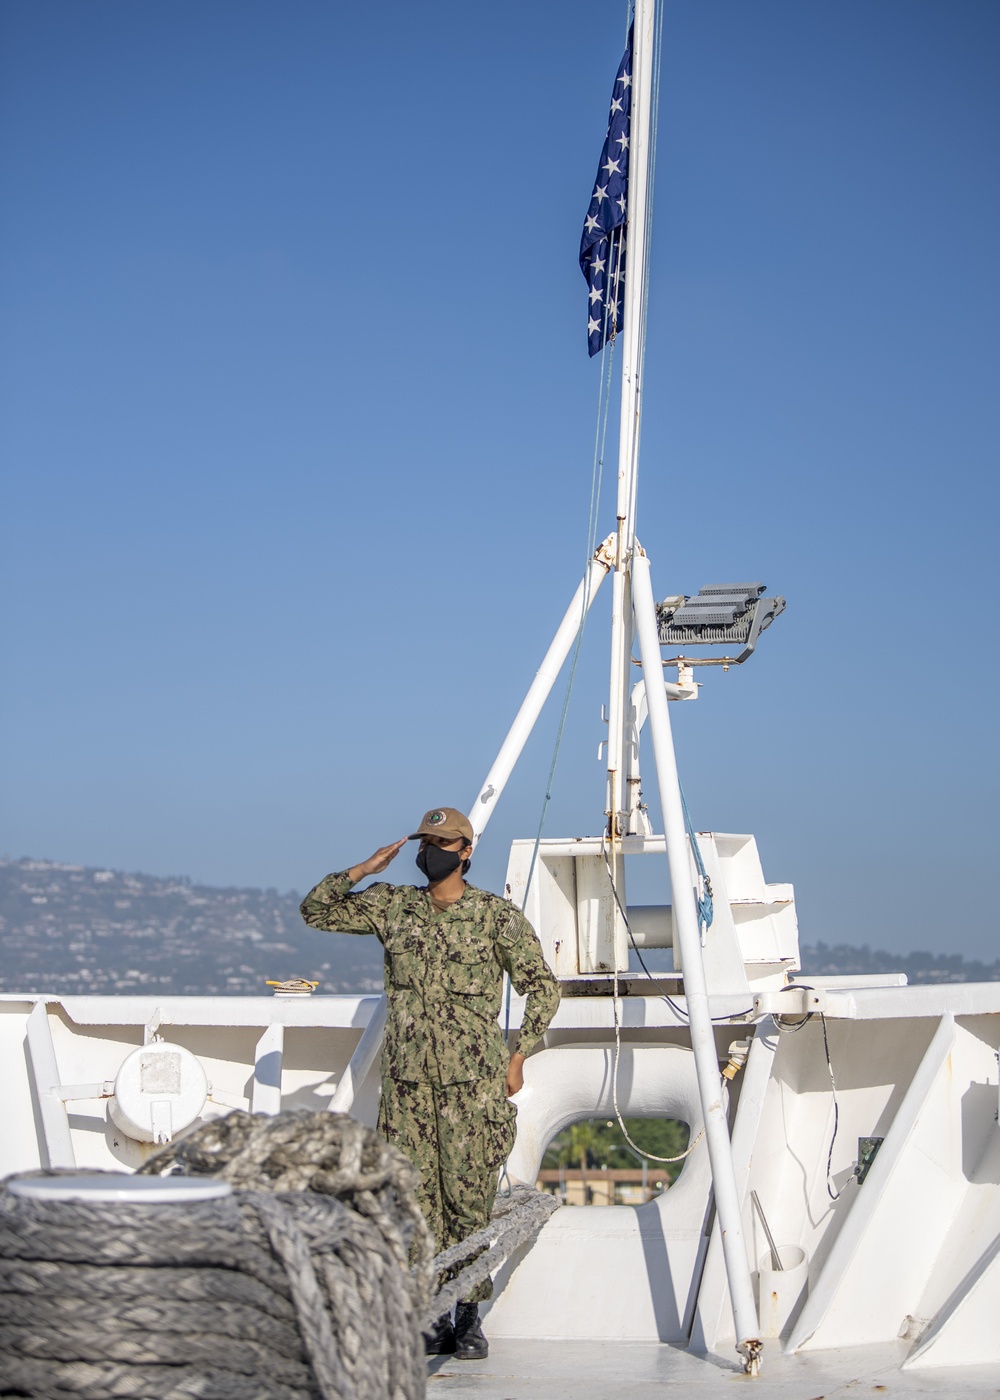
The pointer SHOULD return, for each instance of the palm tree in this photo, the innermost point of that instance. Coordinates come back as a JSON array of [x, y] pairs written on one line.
[[580, 1145], [593, 1142]]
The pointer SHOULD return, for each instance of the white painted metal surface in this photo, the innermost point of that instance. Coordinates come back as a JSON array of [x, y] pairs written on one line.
[[688, 938], [363, 1063], [267, 1068], [655, 1081], [580, 1279], [570, 903], [782, 1287], [912, 1250], [56, 1144], [593, 1370], [752, 943]]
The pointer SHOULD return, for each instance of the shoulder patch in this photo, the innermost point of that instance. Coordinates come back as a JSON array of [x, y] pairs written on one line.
[[373, 891], [509, 933]]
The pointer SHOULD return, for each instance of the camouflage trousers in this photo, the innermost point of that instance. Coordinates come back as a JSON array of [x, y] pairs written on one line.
[[457, 1136]]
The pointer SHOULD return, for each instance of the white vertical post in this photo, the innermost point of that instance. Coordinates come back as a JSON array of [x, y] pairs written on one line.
[[45, 1073], [630, 341], [688, 935], [265, 1096], [362, 1060], [618, 699], [538, 692]]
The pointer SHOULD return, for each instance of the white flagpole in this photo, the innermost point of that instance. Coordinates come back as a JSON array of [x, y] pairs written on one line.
[[630, 343], [634, 609]]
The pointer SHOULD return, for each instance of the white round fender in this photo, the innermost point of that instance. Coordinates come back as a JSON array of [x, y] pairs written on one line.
[[160, 1089]]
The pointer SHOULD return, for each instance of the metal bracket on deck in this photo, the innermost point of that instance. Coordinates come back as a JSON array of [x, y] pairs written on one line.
[[790, 1001], [751, 1350]]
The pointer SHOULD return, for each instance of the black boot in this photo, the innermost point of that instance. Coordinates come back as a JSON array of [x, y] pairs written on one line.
[[470, 1344], [440, 1340]]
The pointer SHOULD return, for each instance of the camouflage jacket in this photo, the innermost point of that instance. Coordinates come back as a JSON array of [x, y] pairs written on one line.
[[443, 975]]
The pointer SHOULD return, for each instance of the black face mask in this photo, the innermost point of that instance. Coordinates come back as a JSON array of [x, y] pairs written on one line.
[[436, 864]]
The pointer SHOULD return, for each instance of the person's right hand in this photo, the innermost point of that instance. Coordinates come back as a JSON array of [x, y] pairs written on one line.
[[375, 864]]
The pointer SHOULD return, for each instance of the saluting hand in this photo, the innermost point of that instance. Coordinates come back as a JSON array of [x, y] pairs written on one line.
[[375, 864]]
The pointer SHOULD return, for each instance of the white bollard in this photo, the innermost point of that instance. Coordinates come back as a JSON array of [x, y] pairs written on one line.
[[782, 1291]]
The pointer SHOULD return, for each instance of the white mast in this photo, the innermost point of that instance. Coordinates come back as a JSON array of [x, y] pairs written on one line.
[[634, 607], [621, 804]]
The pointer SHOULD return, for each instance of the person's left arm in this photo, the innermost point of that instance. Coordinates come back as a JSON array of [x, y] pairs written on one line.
[[521, 957]]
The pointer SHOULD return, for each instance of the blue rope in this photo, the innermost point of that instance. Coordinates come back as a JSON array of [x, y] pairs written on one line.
[[706, 909]]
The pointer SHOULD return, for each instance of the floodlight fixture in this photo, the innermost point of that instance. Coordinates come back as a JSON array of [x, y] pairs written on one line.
[[721, 614]]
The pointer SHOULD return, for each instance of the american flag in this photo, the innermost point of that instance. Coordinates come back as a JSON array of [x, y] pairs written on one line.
[[602, 247]]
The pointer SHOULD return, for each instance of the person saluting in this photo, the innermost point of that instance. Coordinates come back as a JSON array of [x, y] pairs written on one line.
[[446, 1071]]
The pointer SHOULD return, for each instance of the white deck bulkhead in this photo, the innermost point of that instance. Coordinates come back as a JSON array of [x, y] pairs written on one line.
[[913, 1251]]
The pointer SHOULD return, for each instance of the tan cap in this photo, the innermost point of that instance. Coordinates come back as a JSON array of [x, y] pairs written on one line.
[[446, 822]]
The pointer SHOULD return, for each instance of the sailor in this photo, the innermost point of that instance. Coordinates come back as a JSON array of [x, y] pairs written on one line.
[[446, 1073]]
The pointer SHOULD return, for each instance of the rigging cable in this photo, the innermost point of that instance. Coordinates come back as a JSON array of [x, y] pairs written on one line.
[[649, 1156], [596, 481], [604, 400], [679, 1011], [790, 1030]]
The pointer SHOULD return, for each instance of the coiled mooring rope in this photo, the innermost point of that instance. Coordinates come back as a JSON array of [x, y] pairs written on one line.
[[300, 1286], [312, 1280]]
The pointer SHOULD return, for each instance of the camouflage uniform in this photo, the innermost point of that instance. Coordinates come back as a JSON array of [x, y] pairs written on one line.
[[444, 1061]]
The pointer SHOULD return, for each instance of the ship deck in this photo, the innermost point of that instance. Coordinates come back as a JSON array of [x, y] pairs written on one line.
[[537, 1370]]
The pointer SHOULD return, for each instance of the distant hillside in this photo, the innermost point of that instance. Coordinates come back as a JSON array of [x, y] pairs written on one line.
[[74, 928], [820, 958]]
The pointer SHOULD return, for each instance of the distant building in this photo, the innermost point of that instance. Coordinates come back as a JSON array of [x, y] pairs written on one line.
[[602, 1186]]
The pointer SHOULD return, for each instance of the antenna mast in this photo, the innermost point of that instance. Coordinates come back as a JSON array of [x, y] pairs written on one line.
[[623, 783]]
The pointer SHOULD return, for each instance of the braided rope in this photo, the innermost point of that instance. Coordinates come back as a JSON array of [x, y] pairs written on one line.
[[517, 1219], [312, 1280]]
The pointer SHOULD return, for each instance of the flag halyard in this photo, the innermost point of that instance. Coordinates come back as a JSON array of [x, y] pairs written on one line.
[[602, 247]]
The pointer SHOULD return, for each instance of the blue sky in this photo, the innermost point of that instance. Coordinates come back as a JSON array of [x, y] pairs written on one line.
[[297, 424]]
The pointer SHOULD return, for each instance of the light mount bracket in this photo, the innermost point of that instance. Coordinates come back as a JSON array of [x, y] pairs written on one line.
[[720, 614]]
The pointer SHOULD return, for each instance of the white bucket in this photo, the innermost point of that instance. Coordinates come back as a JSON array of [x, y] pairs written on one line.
[[782, 1291]]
